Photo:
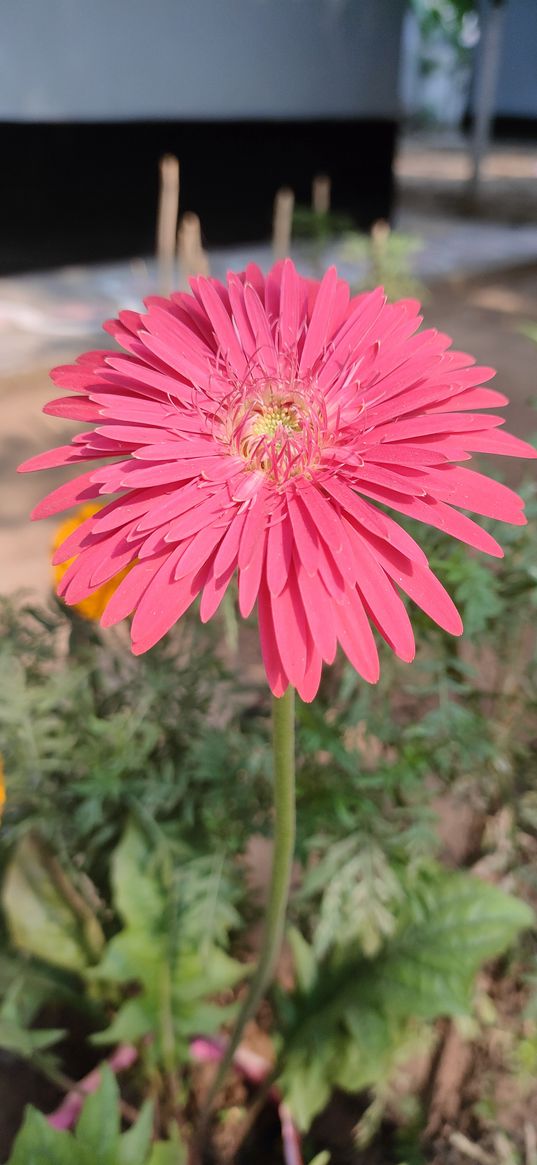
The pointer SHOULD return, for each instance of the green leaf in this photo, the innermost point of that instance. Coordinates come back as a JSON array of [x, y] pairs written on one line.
[[360, 1015], [96, 1141], [134, 1144], [452, 928], [303, 957], [320, 1158], [137, 897], [308, 1084], [41, 920], [38, 1143], [98, 1127], [23, 1041], [167, 947], [172, 1152], [360, 892], [132, 1022]]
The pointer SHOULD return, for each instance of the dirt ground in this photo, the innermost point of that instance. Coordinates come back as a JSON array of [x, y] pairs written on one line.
[[483, 316], [433, 172]]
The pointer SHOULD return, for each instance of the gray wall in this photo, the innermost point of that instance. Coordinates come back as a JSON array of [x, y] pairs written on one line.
[[517, 81], [112, 59]]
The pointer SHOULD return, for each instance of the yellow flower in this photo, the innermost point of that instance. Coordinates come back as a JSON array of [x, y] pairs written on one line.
[[92, 607], [2, 787]]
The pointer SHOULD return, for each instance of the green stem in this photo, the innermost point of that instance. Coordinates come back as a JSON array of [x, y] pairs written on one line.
[[283, 750]]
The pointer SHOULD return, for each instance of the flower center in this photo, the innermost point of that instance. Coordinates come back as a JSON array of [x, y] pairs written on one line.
[[276, 416], [270, 434], [277, 426]]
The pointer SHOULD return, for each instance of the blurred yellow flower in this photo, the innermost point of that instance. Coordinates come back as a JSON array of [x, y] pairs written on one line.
[[2, 787], [92, 607]]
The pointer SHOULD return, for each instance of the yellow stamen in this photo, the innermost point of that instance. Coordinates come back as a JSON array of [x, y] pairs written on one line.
[[271, 418]]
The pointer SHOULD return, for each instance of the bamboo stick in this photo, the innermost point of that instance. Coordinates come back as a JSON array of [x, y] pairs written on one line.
[[282, 222], [191, 255], [168, 209], [321, 190]]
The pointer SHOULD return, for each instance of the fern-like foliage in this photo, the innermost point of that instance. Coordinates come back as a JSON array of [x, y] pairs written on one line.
[[358, 891], [176, 914], [352, 1018], [86, 733]]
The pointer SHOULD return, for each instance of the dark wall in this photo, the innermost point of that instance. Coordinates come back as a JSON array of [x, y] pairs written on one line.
[[88, 192]]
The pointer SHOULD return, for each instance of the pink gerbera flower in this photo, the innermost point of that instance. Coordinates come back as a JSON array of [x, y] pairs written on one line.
[[260, 429]]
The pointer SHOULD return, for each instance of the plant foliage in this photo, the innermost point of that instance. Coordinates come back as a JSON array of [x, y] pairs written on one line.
[[97, 1138], [352, 1017], [176, 920]]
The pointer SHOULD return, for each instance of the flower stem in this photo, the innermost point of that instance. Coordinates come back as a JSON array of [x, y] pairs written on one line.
[[283, 751]]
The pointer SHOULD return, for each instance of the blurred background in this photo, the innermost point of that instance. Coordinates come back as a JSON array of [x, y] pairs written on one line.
[[251, 95]]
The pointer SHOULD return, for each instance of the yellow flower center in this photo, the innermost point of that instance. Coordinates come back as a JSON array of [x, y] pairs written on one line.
[[271, 418], [277, 425]]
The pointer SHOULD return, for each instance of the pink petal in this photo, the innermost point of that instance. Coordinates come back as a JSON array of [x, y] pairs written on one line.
[[350, 502], [265, 349], [170, 502], [474, 491], [71, 493], [442, 517], [309, 685], [319, 614], [433, 423], [207, 514], [365, 310], [153, 544], [279, 554], [292, 305], [305, 534], [75, 408], [291, 631], [323, 513], [75, 541], [197, 550], [422, 586], [384, 604], [356, 637], [498, 441], [240, 316], [163, 602], [226, 338], [53, 458], [127, 595], [126, 508], [253, 529], [250, 577], [277, 679], [214, 591], [228, 551], [477, 398], [319, 325]]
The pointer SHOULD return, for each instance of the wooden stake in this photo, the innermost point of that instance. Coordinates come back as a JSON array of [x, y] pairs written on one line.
[[530, 1143], [282, 222], [469, 1149], [380, 232], [192, 258], [320, 194], [168, 209]]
